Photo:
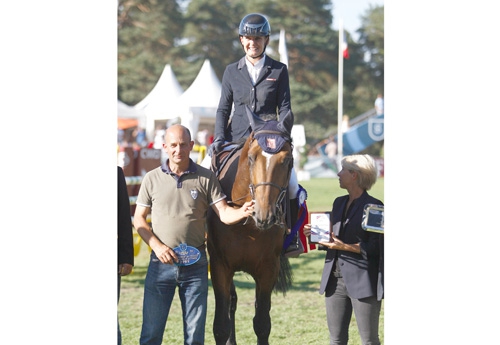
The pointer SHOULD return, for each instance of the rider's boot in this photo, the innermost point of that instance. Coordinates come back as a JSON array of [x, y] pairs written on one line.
[[291, 220]]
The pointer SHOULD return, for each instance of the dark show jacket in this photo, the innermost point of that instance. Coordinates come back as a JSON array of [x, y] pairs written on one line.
[[359, 271], [270, 92]]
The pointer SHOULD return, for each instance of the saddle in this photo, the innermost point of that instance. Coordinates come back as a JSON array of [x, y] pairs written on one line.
[[225, 165]]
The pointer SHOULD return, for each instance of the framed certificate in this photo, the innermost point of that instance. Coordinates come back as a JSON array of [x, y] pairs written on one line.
[[321, 227], [373, 218]]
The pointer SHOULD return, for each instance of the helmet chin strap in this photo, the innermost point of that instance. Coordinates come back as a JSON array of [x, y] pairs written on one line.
[[262, 53]]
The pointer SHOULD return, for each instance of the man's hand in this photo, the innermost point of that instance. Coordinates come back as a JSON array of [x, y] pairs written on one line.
[[124, 269], [166, 255]]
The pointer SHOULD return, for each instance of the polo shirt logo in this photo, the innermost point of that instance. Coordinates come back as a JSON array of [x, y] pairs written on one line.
[[194, 193]]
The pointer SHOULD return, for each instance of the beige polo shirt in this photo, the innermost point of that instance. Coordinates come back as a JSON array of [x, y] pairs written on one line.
[[179, 206]]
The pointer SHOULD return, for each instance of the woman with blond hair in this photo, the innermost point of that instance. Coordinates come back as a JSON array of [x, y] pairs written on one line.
[[350, 275]]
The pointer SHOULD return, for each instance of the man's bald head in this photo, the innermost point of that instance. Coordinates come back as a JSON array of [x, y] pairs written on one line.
[[178, 131]]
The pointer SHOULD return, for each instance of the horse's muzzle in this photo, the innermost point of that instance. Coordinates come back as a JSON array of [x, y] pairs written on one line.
[[265, 224]]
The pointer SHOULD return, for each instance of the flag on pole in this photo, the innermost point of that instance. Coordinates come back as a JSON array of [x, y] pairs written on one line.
[[345, 50], [340, 111], [282, 48]]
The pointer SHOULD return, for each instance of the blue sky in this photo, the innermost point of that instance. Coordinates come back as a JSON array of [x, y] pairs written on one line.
[[350, 11]]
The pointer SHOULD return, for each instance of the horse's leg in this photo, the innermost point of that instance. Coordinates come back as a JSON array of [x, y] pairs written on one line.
[[232, 312], [221, 282], [262, 319]]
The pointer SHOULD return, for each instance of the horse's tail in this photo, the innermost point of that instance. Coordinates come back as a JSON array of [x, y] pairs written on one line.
[[285, 276]]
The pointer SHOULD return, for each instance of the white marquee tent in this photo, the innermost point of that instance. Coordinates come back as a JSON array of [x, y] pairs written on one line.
[[129, 116], [163, 101], [196, 106], [201, 99]]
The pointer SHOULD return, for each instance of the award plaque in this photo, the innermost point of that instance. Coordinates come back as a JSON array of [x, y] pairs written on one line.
[[187, 255], [320, 227], [373, 218]]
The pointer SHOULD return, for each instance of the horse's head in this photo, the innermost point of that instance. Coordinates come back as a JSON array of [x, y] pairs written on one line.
[[270, 162]]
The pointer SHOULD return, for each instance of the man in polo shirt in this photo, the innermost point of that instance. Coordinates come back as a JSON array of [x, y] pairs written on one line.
[[178, 194]]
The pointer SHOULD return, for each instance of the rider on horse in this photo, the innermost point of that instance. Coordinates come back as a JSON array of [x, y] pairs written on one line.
[[262, 84]]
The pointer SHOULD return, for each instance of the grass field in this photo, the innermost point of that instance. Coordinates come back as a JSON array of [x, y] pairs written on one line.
[[299, 318]]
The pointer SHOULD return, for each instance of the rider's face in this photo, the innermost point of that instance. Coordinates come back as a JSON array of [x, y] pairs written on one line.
[[254, 45]]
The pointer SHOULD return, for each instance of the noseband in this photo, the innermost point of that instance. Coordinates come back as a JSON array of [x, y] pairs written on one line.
[[280, 198]]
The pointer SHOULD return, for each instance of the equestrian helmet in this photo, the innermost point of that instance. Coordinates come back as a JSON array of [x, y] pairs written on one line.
[[254, 24]]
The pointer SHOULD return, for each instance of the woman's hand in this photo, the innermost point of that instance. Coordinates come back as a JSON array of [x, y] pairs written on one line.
[[307, 230], [335, 243], [338, 244]]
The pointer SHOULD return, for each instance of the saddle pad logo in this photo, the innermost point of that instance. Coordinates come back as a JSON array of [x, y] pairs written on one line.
[[194, 193]]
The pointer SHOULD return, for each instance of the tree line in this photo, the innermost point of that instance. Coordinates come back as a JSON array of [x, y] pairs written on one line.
[[183, 33]]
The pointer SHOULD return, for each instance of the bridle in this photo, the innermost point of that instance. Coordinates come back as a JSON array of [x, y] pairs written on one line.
[[282, 189]]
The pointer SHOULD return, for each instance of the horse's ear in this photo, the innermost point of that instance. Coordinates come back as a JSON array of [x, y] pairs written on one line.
[[255, 121], [286, 123]]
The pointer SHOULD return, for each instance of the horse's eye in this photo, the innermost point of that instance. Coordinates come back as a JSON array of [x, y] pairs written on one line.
[[251, 160]]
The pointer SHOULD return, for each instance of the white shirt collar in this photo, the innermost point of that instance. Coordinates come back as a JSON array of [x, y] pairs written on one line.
[[254, 70]]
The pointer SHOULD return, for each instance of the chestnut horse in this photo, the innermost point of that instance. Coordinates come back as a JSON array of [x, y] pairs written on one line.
[[254, 246]]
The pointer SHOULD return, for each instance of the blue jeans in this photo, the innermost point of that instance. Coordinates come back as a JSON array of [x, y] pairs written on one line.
[[159, 290]]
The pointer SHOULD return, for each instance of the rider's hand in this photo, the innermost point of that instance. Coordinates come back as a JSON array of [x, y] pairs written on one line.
[[216, 146]]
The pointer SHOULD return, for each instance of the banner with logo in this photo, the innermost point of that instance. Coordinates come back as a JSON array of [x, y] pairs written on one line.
[[363, 135]]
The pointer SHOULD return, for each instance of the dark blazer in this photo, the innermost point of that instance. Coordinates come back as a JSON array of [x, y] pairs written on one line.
[[359, 271], [271, 92], [380, 285], [125, 237]]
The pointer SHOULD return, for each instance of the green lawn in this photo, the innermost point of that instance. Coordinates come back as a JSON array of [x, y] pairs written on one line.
[[298, 318]]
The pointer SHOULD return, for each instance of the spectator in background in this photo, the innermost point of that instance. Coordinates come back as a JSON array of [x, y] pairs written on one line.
[[121, 134], [125, 237], [158, 139], [202, 137], [140, 137], [345, 123], [331, 149], [379, 104]]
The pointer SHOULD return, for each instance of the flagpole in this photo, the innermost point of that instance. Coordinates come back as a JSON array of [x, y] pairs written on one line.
[[282, 48], [340, 97]]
